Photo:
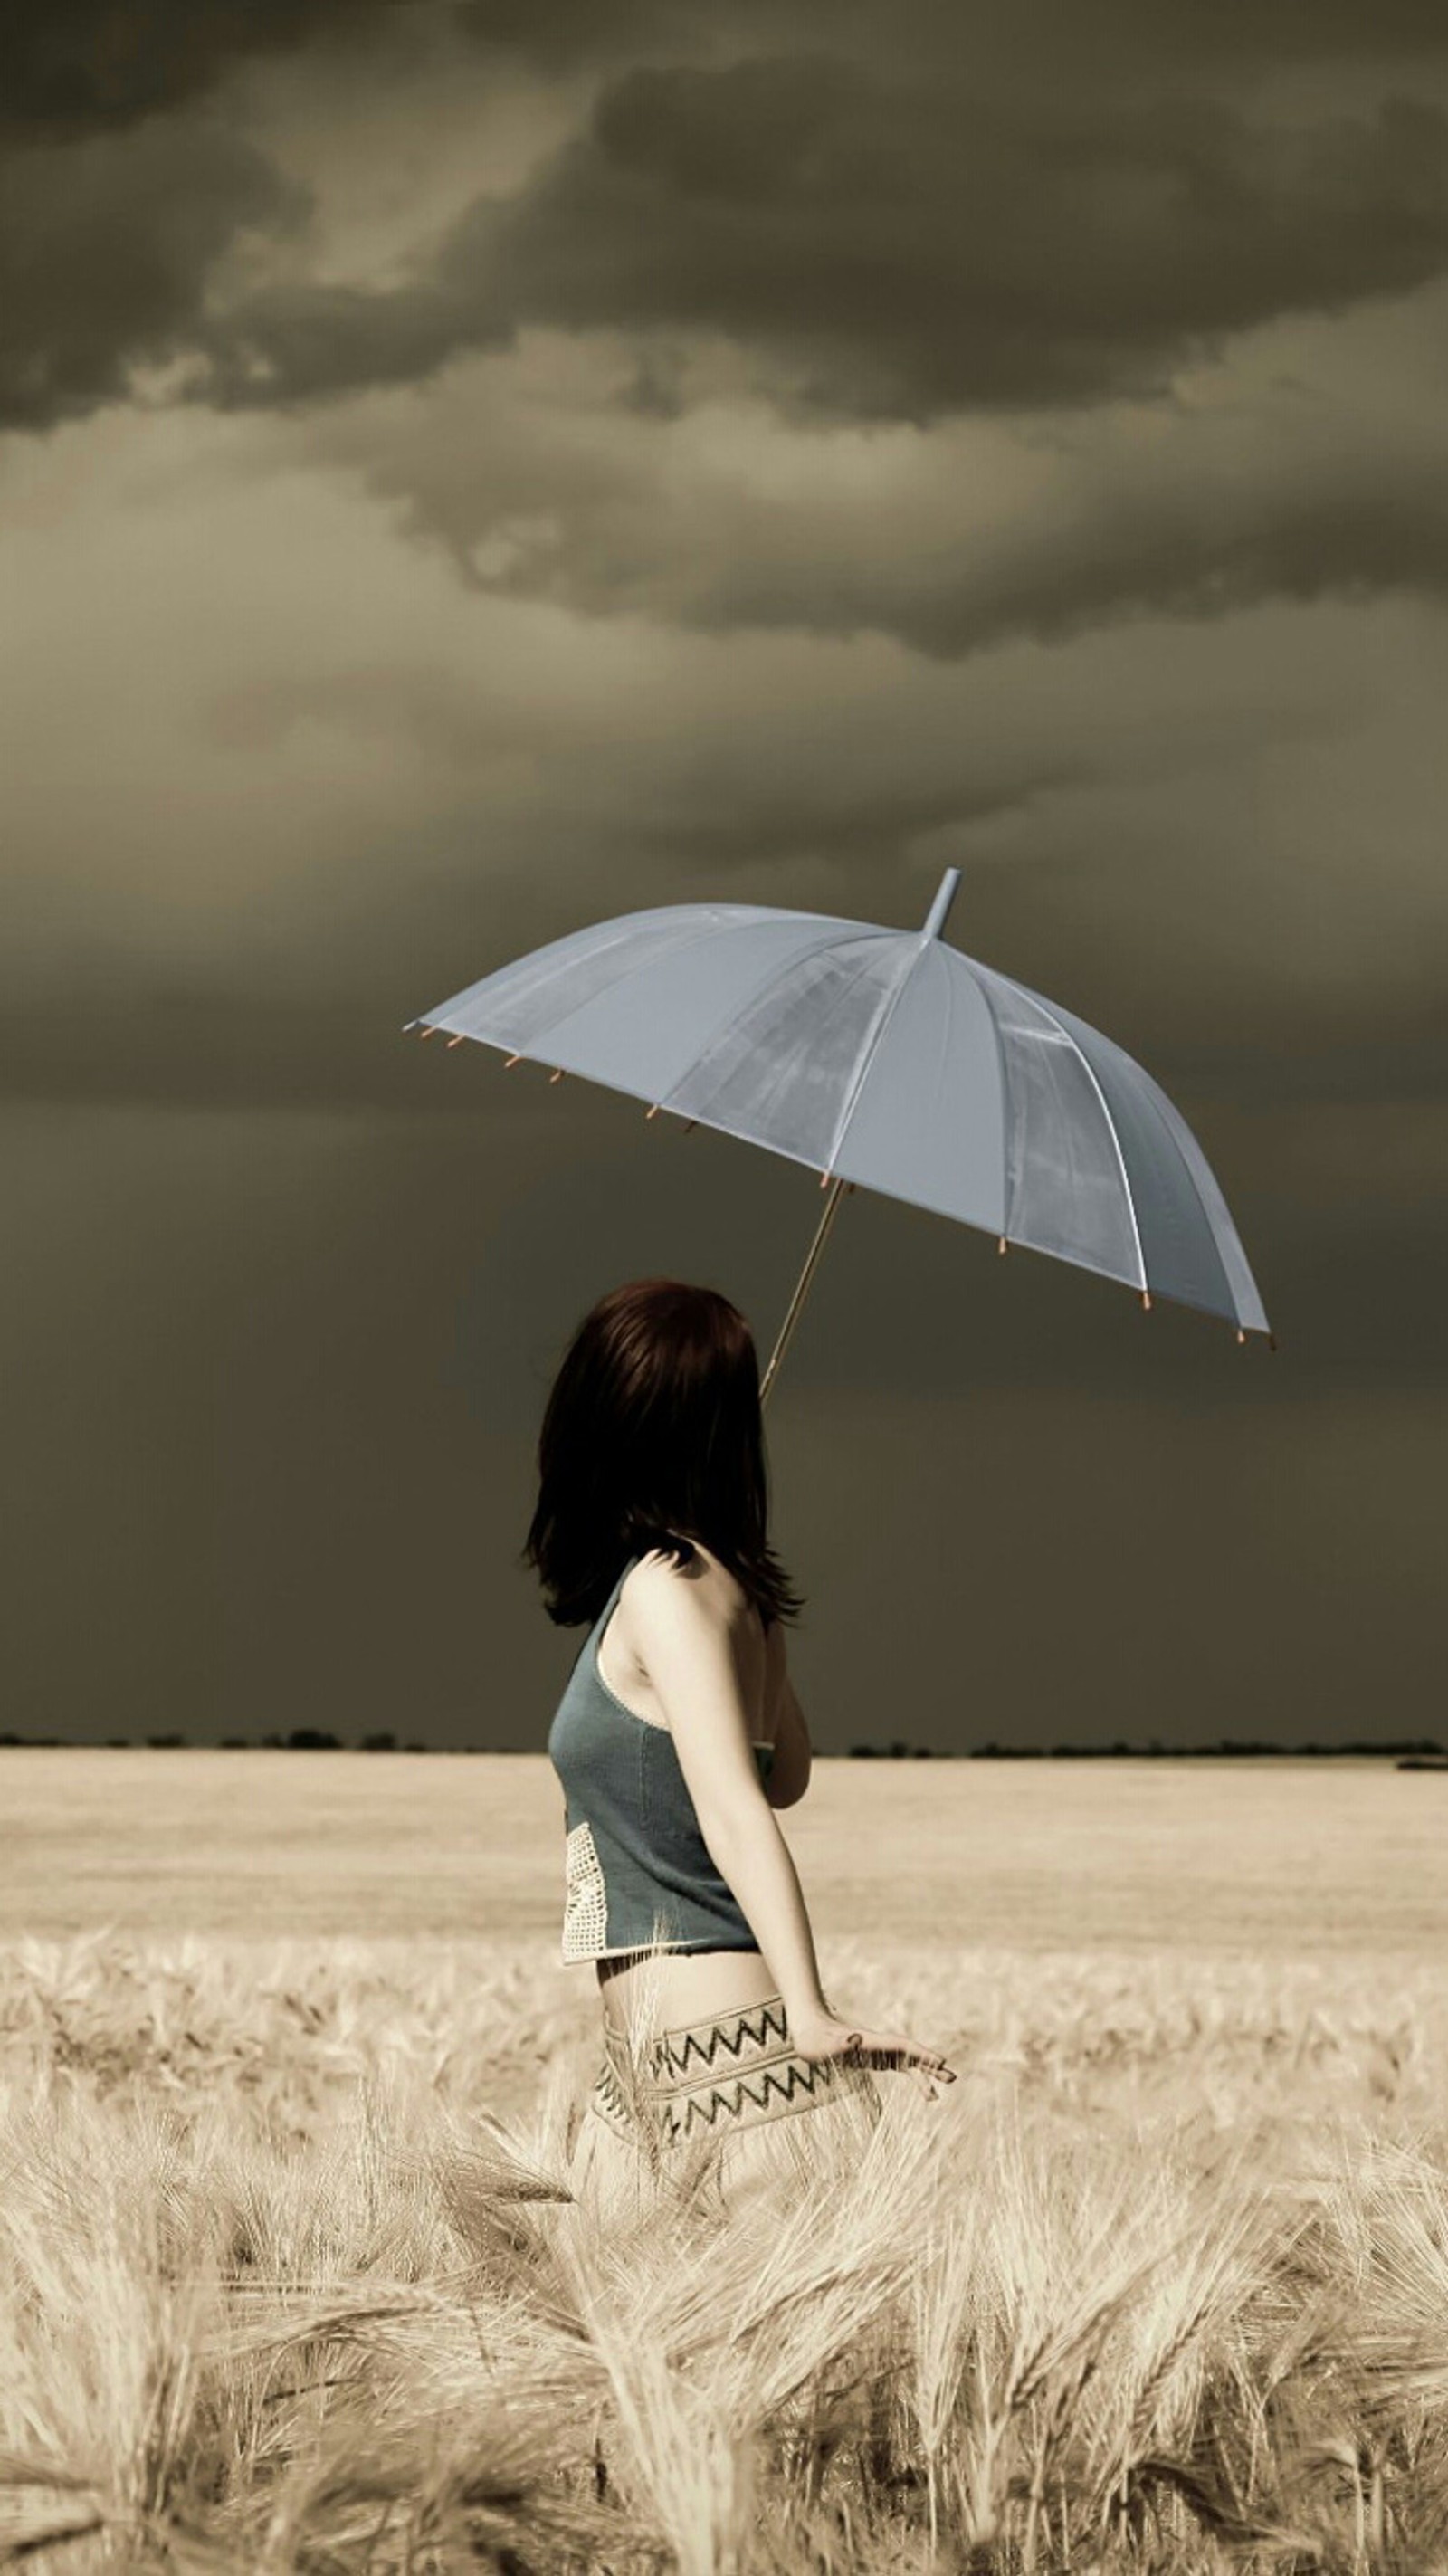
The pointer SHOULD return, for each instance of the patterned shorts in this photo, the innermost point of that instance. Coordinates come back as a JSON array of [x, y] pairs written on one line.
[[725, 2095]]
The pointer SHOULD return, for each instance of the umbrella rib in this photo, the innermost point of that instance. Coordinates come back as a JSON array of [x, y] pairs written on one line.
[[723, 1027], [1171, 1120], [984, 981], [877, 1040], [1083, 1060]]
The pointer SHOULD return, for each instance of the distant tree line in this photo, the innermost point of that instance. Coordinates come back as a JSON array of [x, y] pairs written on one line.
[[302, 1739], [1413, 1752], [1226, 1748]]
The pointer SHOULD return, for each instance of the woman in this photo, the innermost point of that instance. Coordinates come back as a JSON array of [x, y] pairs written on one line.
[[676, 1738]]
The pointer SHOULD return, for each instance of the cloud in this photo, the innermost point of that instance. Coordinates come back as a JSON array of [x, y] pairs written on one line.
[[1116, 37], [892, 246], [1305, 467], [106, 248], [877, 235], [94, 66], [323, 786], [559, 33]]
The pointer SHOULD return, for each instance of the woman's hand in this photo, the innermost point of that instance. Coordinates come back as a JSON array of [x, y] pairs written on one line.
[[826, 2034]]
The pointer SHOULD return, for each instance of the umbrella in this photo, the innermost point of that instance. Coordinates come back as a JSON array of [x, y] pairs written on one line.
[[885, 1060]]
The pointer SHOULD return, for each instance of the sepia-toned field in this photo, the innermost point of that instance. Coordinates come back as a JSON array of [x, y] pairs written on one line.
[[288, 2281]]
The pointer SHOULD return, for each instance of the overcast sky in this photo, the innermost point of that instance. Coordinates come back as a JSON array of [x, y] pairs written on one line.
[[469, 470]]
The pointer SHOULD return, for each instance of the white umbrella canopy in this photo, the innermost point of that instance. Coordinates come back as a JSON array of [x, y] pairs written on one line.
[[885, 1060]]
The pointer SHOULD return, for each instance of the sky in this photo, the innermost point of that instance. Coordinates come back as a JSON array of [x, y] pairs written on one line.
[[471, 470]]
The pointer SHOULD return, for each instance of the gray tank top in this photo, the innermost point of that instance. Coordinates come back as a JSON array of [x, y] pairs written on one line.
[[638, 1867]]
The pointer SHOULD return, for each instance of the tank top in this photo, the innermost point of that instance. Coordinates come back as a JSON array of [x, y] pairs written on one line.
[[637, 1867]]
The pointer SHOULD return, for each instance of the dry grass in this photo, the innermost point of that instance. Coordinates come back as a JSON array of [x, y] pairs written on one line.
[[287, 2282]]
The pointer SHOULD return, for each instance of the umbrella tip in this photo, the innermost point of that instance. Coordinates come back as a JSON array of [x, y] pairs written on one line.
[[944, 898], [1001, 1243], [1146, 1301]]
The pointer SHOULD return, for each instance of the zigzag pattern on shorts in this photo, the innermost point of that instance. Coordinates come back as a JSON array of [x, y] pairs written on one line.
[[672, 2053], [765, 2090], [610, 2100]]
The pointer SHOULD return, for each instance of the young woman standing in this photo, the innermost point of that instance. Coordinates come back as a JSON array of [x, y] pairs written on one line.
[[677, 1737]]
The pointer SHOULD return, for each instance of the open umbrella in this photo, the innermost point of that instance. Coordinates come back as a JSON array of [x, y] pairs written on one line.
[[887, 1060]]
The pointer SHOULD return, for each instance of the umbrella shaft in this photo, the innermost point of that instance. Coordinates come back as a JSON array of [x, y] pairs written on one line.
[[801, 1290]]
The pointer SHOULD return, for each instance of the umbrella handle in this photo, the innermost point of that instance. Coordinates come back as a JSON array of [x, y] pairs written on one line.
[[801, 1289]]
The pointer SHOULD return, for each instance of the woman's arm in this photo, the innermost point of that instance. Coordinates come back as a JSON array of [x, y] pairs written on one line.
[[691, 1641], [691, 1638]]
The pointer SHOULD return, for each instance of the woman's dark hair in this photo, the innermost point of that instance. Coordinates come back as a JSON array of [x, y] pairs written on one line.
[[653, 1437]]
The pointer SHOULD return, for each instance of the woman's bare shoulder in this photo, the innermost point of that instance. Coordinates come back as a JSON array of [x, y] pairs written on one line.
[[657, 1581]]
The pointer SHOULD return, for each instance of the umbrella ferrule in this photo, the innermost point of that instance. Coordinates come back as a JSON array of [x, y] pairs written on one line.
[[944, 898]]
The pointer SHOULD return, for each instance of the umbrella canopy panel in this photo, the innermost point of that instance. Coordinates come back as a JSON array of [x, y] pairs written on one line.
[[886, 1058]]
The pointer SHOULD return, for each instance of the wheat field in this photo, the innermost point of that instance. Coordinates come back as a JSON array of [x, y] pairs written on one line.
[[289, 2279]]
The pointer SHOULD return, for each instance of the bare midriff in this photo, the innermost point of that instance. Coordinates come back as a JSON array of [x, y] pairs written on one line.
[[671, 1990]]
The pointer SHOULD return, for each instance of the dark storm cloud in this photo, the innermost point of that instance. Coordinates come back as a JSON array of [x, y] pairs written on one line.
[[885, 233], [905, 247], [93, 65], [105, 252], [79, 66], [1165, 559], [73, 67], [1114, 37], [113, 212], [556, 33], [1177, 553], [895, 248], [1127, 34], [951, 543]]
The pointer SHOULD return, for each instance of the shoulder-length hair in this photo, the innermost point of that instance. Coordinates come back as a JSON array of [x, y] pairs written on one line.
[[653, 1437]]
